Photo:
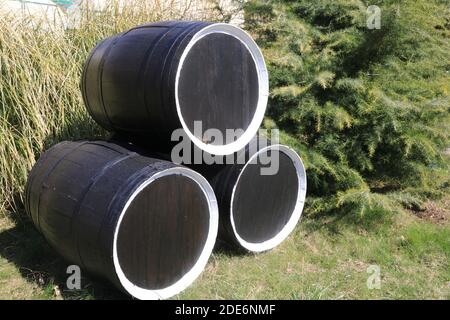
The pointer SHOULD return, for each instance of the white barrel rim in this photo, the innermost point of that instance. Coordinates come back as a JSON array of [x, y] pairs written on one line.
[[296, 213], [189, 277], [263, 85]]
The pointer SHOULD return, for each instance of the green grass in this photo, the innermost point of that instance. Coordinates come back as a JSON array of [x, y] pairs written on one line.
[[329, 260], [325, 258], [424, 241]]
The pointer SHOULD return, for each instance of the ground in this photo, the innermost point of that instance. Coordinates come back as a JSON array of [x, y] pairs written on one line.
[[325, 258]]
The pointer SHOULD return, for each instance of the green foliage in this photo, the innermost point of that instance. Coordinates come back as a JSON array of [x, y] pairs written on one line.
[[367, 109]]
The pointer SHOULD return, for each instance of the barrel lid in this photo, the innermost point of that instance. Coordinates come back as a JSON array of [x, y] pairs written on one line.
[[188, 276], [257, 115], [258, 243]]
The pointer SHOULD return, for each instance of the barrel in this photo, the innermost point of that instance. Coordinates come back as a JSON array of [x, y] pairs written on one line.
[[258, 207], [146, 225], [159, 77]]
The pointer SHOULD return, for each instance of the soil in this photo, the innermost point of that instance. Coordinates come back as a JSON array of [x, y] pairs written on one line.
[[438, 213]]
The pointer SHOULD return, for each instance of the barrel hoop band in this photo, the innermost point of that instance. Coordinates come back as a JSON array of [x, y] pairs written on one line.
[[118, 200], [92, 182], [112, 147], [46, 176], [145, 66], [84, 79], [168, 75], [32, 176], [167, 58], [100, 76]]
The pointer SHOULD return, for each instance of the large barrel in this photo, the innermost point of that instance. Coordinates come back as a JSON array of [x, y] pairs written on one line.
[[261, 196], [146, 225], [159, 77]]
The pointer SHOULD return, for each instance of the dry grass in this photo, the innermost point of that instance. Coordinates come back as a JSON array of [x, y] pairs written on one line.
[[40, 99]]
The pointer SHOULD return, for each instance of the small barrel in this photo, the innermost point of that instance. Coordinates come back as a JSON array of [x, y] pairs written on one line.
[[156, 78], [261, 196], [146, 225]]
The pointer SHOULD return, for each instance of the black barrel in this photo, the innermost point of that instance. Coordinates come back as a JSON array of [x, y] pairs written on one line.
[[159, 77], [146, 225], [261, 196]]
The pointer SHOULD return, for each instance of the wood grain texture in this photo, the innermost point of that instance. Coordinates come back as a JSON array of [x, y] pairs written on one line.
[[218, 85], [163, 232], [263, 204]]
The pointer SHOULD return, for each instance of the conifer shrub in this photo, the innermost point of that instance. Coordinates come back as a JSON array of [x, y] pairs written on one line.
[[368, 109]]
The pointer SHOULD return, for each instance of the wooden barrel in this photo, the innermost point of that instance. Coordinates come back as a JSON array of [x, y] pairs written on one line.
[[258, 209], [159, 77], [146, 225]]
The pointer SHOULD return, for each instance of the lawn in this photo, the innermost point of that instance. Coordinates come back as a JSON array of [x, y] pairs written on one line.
[[325, 258]]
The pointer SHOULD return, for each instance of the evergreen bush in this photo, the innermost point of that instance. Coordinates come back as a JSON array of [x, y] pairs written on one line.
[[368, 109]]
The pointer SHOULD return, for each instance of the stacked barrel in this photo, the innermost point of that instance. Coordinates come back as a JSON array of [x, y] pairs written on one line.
[[120, 209]]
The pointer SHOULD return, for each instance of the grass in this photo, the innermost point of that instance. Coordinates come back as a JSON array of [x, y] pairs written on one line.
[[40, 72], [325, 258]]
